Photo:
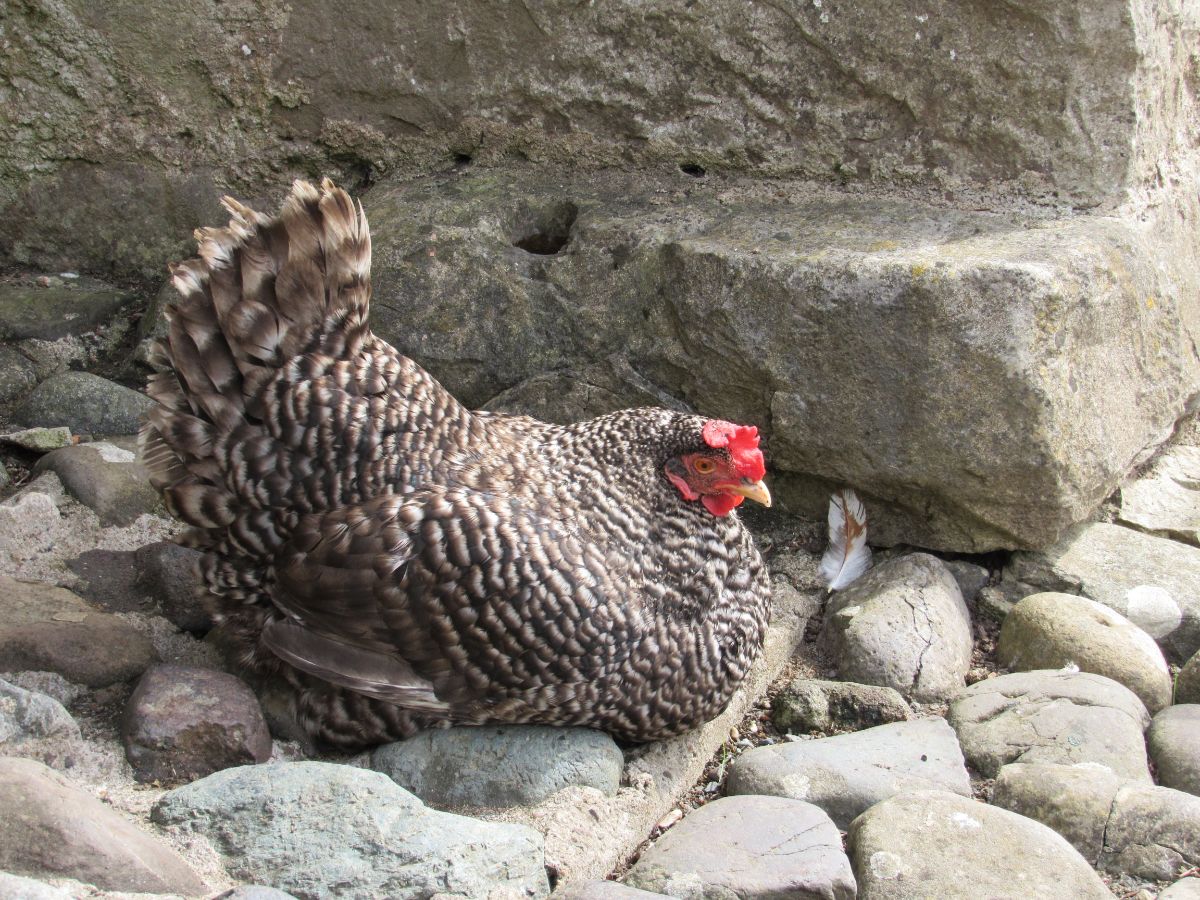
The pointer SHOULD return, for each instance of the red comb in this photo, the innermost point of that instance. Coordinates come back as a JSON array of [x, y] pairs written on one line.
[[742, 443]]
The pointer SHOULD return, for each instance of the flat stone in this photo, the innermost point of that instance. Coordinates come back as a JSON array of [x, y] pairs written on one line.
[[1183, 889], [319, 829], [847, 774], [1187, 682], [936, 844], [39, 440], [1166, 500], [509, 765], [30, 715], [58, 309], [85, 403], [748, 847], [1152, 581], [104, 477], [170, 573], [1054, 717], [1174, 742], [50, 827], [1049, 631], [109, 579], [809, 704], [182, 723], [903, 625], [47, 628], [602, 890], [14, 887], [1124, 827]]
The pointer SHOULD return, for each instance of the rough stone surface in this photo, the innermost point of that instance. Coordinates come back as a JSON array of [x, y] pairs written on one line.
[[1187, 682], [936, 844], [1174, 743], [47, 628], [254, 892], [17, 375], [1166, 500], [847, 774], [502, 766], [26, 715], [169, 572], [50, 827], [809, 704], [325, 830], [1152, 581], [85, 403], [109, 579], [14, 887], [1054, 717], [602, 890], [1122, 826], [39, 440], [1183, 889], [1049, 631], [59, 309], [903, 625], [104, 477], [748, 847], [183, 723], [970, 577]]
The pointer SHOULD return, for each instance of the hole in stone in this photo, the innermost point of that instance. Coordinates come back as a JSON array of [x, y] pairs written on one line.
[[550, 230], [692, 169], [463, 159]]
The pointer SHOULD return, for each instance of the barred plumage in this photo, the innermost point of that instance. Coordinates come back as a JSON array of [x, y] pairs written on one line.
[[402, 562]]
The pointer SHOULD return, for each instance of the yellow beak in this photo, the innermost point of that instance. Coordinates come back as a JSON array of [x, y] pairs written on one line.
[[751, 490]]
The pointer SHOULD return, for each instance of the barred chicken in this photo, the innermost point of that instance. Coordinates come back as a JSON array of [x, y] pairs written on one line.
[[398, 561]]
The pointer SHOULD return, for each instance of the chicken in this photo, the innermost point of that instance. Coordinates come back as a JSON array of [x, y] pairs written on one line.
[[398, 561]]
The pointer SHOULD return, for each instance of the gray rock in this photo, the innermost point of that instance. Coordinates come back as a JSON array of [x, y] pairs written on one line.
[[509, 765], [1166, 500], [936, 844], [1174, 742], [26, 715], [254, 892], [748, 847], [847, 774], [1054, 717], [14, 887], [104, 477], [109, 579], [85, 403], [602, 890], [1152, 581], [47, 628], [50, 827], [1121, 826], [970, 577], [39, 440], [153, 324], [1049, 631], [171, 574], [1183, 889], [17, 375], [325, 830], [58, 309], [903, 625], [809, 704], [1187, 682], [182, 723]]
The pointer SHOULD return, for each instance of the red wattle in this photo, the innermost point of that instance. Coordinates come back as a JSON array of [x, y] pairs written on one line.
[[721, 504]]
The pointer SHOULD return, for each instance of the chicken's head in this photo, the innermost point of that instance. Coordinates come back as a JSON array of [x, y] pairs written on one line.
[[725, 471]]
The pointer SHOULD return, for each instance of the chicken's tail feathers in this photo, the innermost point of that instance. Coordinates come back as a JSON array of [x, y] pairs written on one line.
[[263, 290]]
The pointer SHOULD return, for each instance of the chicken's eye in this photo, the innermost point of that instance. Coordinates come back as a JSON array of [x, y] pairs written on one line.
[[704, 466]]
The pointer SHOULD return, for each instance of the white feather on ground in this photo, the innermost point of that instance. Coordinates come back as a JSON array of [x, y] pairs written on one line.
[[848, 555]]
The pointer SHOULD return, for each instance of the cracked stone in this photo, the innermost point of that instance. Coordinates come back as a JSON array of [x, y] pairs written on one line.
[[847, 774], [748, 847], [1054, 717], [903, 625], [1125, 827]]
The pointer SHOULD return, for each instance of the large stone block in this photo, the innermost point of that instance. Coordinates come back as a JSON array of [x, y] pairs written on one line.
[[985, 380]]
